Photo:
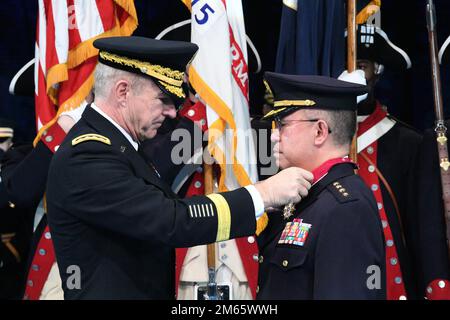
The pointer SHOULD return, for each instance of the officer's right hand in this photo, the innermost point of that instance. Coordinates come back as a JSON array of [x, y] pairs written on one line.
[[289, 185]]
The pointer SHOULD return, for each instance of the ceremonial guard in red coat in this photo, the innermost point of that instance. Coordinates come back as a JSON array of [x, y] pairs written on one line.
[[25, 178], [432, 249], [433, 257], [387, 153], [25, 185]]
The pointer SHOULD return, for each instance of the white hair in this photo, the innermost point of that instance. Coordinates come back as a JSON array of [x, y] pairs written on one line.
[[105, 77]]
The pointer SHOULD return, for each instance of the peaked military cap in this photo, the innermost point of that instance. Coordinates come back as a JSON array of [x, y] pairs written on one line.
[[294, 92], [6, 128], [163, 61], [373, 44], [444, 52]]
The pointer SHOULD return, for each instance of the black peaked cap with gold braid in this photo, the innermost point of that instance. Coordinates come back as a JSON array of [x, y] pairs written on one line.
[[294, 92], [6, 129], [162, 60]]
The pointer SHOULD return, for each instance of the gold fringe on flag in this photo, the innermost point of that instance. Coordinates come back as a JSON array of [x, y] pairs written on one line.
[[56, 74], [77, 56], [262, 223], [187, 3]]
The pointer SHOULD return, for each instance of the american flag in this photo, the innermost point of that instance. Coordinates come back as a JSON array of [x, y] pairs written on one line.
[[65, 56]]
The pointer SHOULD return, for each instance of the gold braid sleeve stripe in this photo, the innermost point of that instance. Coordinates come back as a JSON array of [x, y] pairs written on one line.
[[223, 216], [173, 77]]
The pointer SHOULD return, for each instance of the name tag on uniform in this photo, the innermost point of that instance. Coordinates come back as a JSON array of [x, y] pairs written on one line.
[[295, 233]]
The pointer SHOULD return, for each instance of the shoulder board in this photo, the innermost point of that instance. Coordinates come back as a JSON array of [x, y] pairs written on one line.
[[91, 137], [339, 192]]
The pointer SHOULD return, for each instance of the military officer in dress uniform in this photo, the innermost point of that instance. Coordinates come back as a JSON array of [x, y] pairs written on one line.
[[331, 244], [114, 222], [387, 159]]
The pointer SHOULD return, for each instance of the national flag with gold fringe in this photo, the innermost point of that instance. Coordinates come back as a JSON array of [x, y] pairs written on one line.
[[65, 56]]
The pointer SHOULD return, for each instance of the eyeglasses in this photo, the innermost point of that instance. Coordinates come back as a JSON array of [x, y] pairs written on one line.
[[281, 123]]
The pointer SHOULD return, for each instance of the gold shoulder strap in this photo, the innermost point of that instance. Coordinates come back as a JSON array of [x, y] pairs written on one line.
[[91, 137]]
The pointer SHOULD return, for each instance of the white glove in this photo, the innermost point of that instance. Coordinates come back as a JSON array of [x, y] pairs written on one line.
[[358, 77], [75, 114], [67, 119], [288, 186]]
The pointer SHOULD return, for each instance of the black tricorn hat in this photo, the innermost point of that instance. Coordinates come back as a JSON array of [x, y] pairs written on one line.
[[444, 52], [294, 92], [22, 84], [373, 44], [163, 61]]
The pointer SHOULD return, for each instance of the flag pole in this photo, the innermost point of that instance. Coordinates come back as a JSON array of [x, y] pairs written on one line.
[[351, 61], [212, 293], [209, 188], [440, 128]]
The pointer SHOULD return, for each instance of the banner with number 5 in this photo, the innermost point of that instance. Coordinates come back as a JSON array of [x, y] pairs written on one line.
[[219, 74]]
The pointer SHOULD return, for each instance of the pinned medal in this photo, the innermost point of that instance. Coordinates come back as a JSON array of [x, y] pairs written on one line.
[[288, 210], [295, 232]]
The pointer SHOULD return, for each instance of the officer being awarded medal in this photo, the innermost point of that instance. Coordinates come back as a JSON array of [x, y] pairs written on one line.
[[330, 245]]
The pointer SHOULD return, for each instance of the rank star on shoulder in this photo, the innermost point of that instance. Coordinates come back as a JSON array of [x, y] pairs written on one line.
[[180, 309]]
